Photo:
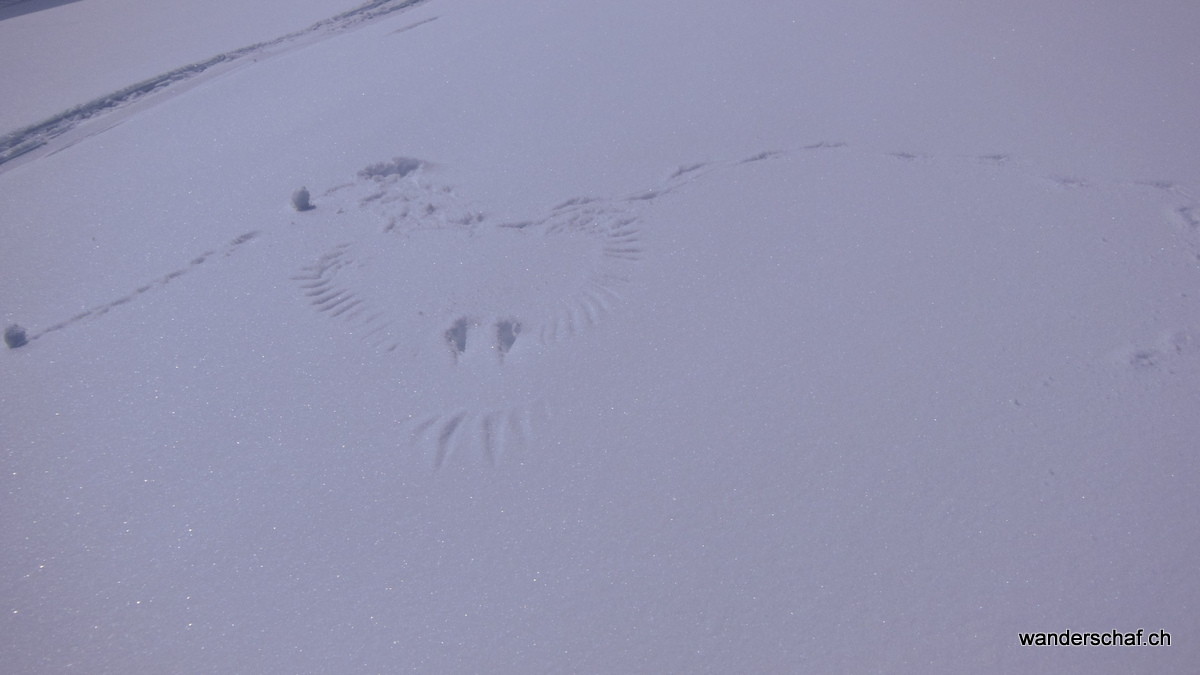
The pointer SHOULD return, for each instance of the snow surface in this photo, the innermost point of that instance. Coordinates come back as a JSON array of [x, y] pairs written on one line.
[[623, 337]]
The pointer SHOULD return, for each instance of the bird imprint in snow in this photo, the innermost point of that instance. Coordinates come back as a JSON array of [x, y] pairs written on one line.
[[458, 297]]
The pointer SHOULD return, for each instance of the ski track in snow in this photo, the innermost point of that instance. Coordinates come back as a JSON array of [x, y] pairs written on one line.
[[455, 295], [71, 126]]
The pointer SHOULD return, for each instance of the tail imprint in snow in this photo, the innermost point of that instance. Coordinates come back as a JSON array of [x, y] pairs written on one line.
[[470, 435]]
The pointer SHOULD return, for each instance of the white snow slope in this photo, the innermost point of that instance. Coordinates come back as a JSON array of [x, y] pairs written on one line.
[[623, 337]]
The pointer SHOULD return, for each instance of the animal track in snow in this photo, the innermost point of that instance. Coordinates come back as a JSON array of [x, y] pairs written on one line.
[[100, 310]]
